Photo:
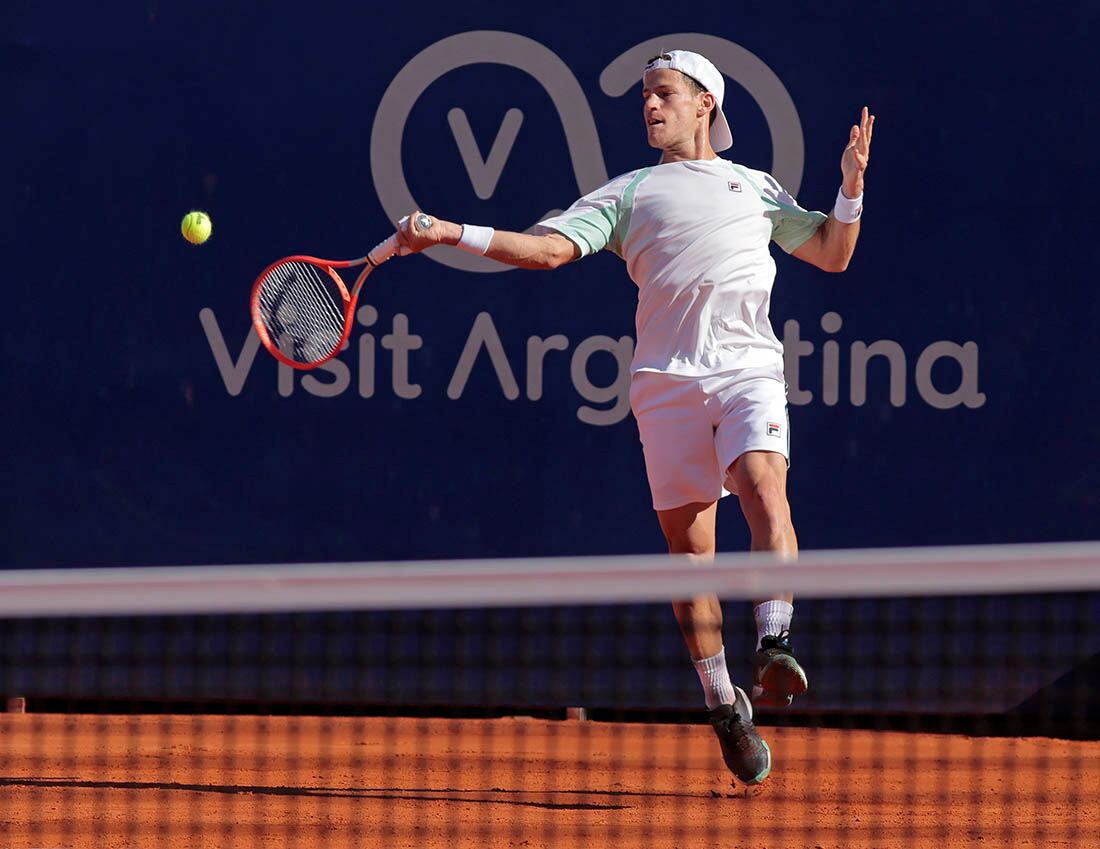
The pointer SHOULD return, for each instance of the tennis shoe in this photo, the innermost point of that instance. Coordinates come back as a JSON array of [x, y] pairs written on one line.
[[744, 751], [777, 676]]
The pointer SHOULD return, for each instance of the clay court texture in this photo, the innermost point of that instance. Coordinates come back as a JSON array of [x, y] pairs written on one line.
[[245, 781]]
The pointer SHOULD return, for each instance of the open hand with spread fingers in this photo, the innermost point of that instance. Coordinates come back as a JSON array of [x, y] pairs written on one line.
[[856, 155]]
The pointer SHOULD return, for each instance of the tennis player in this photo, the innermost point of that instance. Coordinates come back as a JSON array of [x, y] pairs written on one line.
[[707, 385]]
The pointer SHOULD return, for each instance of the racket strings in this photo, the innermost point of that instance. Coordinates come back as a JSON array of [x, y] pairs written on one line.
[[302, 309]]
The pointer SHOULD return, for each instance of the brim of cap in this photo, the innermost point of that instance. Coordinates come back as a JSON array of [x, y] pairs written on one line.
[[720, 136]]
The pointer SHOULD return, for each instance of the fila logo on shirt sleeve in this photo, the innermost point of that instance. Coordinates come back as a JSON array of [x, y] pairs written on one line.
[[774, 429], [734, 186]]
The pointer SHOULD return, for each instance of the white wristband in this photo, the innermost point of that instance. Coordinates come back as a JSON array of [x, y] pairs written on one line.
[[475, 239], [847, 210]]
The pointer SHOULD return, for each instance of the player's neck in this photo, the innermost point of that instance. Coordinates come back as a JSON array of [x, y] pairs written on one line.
[[690, 149]]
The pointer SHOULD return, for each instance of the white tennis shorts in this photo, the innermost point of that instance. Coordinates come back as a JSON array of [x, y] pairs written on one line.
[[693, 428]]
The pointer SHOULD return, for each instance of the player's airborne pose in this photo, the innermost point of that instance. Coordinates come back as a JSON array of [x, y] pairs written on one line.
[[707, 383]]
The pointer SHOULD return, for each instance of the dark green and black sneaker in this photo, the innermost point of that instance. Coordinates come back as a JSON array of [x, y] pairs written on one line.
[[744, 751], [777, 677]]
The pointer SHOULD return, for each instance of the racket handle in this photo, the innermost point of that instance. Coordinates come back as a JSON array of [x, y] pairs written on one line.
[[383, 250]]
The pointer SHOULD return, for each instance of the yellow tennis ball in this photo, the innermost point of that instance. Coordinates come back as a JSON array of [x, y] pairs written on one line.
[[196, 227]]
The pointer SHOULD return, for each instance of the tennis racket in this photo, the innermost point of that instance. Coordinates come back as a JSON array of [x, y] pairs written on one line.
[[301, 309]]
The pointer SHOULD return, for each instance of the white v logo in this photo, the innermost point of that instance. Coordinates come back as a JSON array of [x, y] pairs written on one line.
[[484, 174]]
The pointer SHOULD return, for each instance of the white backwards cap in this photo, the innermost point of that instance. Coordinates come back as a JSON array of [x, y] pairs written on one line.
[[702, 70]]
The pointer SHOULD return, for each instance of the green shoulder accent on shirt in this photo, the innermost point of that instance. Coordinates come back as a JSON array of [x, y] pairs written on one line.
[[791, 224], [596, 220], [590, 230], [615, 243]]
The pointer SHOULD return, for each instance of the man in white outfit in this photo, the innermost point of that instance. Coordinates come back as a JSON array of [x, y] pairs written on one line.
[[707, 385]]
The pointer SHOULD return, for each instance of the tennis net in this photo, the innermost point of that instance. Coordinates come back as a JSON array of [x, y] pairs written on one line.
[[953, 701]]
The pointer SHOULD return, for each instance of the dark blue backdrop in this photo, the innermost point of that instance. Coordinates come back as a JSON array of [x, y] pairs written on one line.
[[125, 445], [139, 429]]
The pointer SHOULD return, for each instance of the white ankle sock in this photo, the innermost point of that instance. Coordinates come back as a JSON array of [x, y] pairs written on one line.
[[771, 618], [715, 678]]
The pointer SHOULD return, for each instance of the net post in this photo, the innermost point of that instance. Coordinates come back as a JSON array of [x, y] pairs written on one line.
[[578, 713]]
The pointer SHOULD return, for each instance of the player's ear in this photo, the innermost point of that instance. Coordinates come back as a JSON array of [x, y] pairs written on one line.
[[707, 103]]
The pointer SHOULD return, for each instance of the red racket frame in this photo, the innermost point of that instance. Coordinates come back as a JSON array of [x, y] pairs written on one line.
[[350, 300], [380, 253]]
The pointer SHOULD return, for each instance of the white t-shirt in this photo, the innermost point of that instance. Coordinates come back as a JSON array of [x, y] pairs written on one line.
[[695, 237]]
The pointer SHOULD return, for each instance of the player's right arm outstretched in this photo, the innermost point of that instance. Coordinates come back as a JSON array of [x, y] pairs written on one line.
[[522, 250]]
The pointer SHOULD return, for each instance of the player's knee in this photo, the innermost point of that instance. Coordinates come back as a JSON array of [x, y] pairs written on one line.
[[765, 501], [688, 543]]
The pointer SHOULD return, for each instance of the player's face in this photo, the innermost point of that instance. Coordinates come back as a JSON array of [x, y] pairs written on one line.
[[670, 109]]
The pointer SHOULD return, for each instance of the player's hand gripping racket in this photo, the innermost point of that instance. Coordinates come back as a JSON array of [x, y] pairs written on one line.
[[301, 308]]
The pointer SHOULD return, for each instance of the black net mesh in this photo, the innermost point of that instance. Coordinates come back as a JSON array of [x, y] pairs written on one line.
[[956, 721]]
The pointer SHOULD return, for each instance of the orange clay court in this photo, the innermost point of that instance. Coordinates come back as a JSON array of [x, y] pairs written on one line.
[[232, 781]]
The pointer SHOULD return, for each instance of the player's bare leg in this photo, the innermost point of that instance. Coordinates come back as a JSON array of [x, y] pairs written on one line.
[[761, 481], [690, 530], [760, 478]]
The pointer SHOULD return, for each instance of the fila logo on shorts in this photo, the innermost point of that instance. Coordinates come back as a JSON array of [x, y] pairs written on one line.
[[734, 186], [773, 429]]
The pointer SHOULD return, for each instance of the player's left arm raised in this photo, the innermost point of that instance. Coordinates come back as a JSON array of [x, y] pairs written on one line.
[[832, 246]]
